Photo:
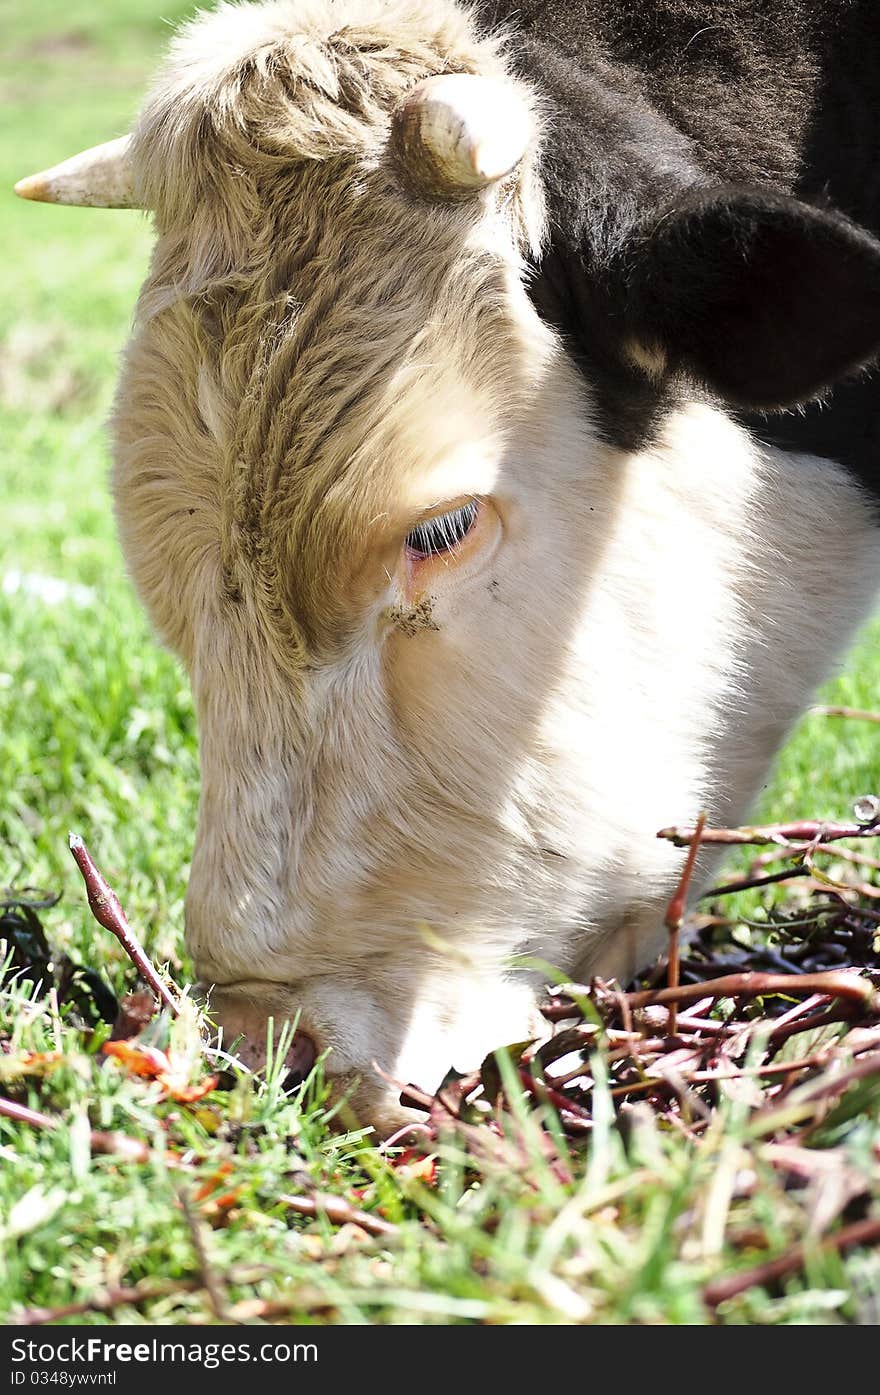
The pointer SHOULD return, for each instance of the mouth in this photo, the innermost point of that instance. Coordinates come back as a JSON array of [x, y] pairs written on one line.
[[300, 1060], [245, 1016]]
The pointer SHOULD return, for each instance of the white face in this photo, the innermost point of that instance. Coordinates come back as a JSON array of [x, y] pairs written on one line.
[[455, 660], [355, 501], [379, 831]]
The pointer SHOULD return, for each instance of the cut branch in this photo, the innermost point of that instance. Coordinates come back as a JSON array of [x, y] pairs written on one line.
[[339, 1211], [749, 883], [752, 984], [107, 1300], [675, 914], [858, 713], [100, 1141], [865, 1232], [107, 910], [804, 832]]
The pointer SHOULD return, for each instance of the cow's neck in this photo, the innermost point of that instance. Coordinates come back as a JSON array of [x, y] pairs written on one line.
[[732, 578]]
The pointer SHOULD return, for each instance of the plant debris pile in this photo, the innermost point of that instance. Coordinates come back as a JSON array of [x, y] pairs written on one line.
[[779, 1016]]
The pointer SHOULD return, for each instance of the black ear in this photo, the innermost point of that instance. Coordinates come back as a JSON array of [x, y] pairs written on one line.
[[766, 300]]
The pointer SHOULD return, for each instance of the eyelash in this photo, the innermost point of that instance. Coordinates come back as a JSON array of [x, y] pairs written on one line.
[[443, 533]]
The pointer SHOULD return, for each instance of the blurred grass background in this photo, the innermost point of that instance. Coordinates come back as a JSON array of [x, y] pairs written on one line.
[[96, 723]]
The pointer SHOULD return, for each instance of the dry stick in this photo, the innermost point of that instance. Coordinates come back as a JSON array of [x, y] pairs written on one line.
[[675, 910], [546, 1094], [804, 832], [866, 1066], [782, 1112], [752, 984], [339, 1211], [675, 916], [840, 1013], [248, 1310], [117, 1144], [858, 712], [109, 1299], [809, 1016], [209, 1277], [863, 912], [105, 907], [708, 1077], [121, 1146], [781, 854], [817, 1000], [748, 883], [22, 1115], [860, 1233]]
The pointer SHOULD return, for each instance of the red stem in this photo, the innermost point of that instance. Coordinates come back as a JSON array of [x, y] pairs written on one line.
[[105, 907], [751, 984], [675, 916]]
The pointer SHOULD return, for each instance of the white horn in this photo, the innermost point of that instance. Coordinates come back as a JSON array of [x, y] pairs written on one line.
[[458, 132], [97, 178]]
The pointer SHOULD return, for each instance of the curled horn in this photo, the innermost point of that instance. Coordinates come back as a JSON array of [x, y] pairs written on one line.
[[457, 133], [97, 178]]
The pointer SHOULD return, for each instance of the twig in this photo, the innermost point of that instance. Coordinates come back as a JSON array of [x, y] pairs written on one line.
[[792, 1024], [857, 712], [781, 853], [109, 1299], [863, 912], [865, 1232], [118, 1144], [675, 914], [209, 1277], [804, 832], [405, 1131], [717, 1075], [23, 1115], [105, 907], [866, 1066], [806, 1109], [753, 984], [546, 1094], [305, 1300], [749, 883], [339, 1211]]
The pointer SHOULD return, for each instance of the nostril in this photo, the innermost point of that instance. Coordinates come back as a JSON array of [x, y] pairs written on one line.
[[300, 1059]]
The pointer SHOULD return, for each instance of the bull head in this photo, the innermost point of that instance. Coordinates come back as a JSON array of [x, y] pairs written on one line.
[[453, 135], [431, 611]]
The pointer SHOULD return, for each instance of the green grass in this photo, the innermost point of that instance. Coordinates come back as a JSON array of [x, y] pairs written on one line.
[[97, 734]]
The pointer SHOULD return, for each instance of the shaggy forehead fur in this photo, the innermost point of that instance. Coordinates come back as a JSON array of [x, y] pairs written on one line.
[[323, 305]]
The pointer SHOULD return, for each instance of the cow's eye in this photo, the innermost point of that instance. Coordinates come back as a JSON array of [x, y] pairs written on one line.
[[444, 532]]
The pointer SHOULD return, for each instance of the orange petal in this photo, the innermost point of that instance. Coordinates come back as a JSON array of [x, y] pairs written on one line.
[[186, 1094], [147, 1061]]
